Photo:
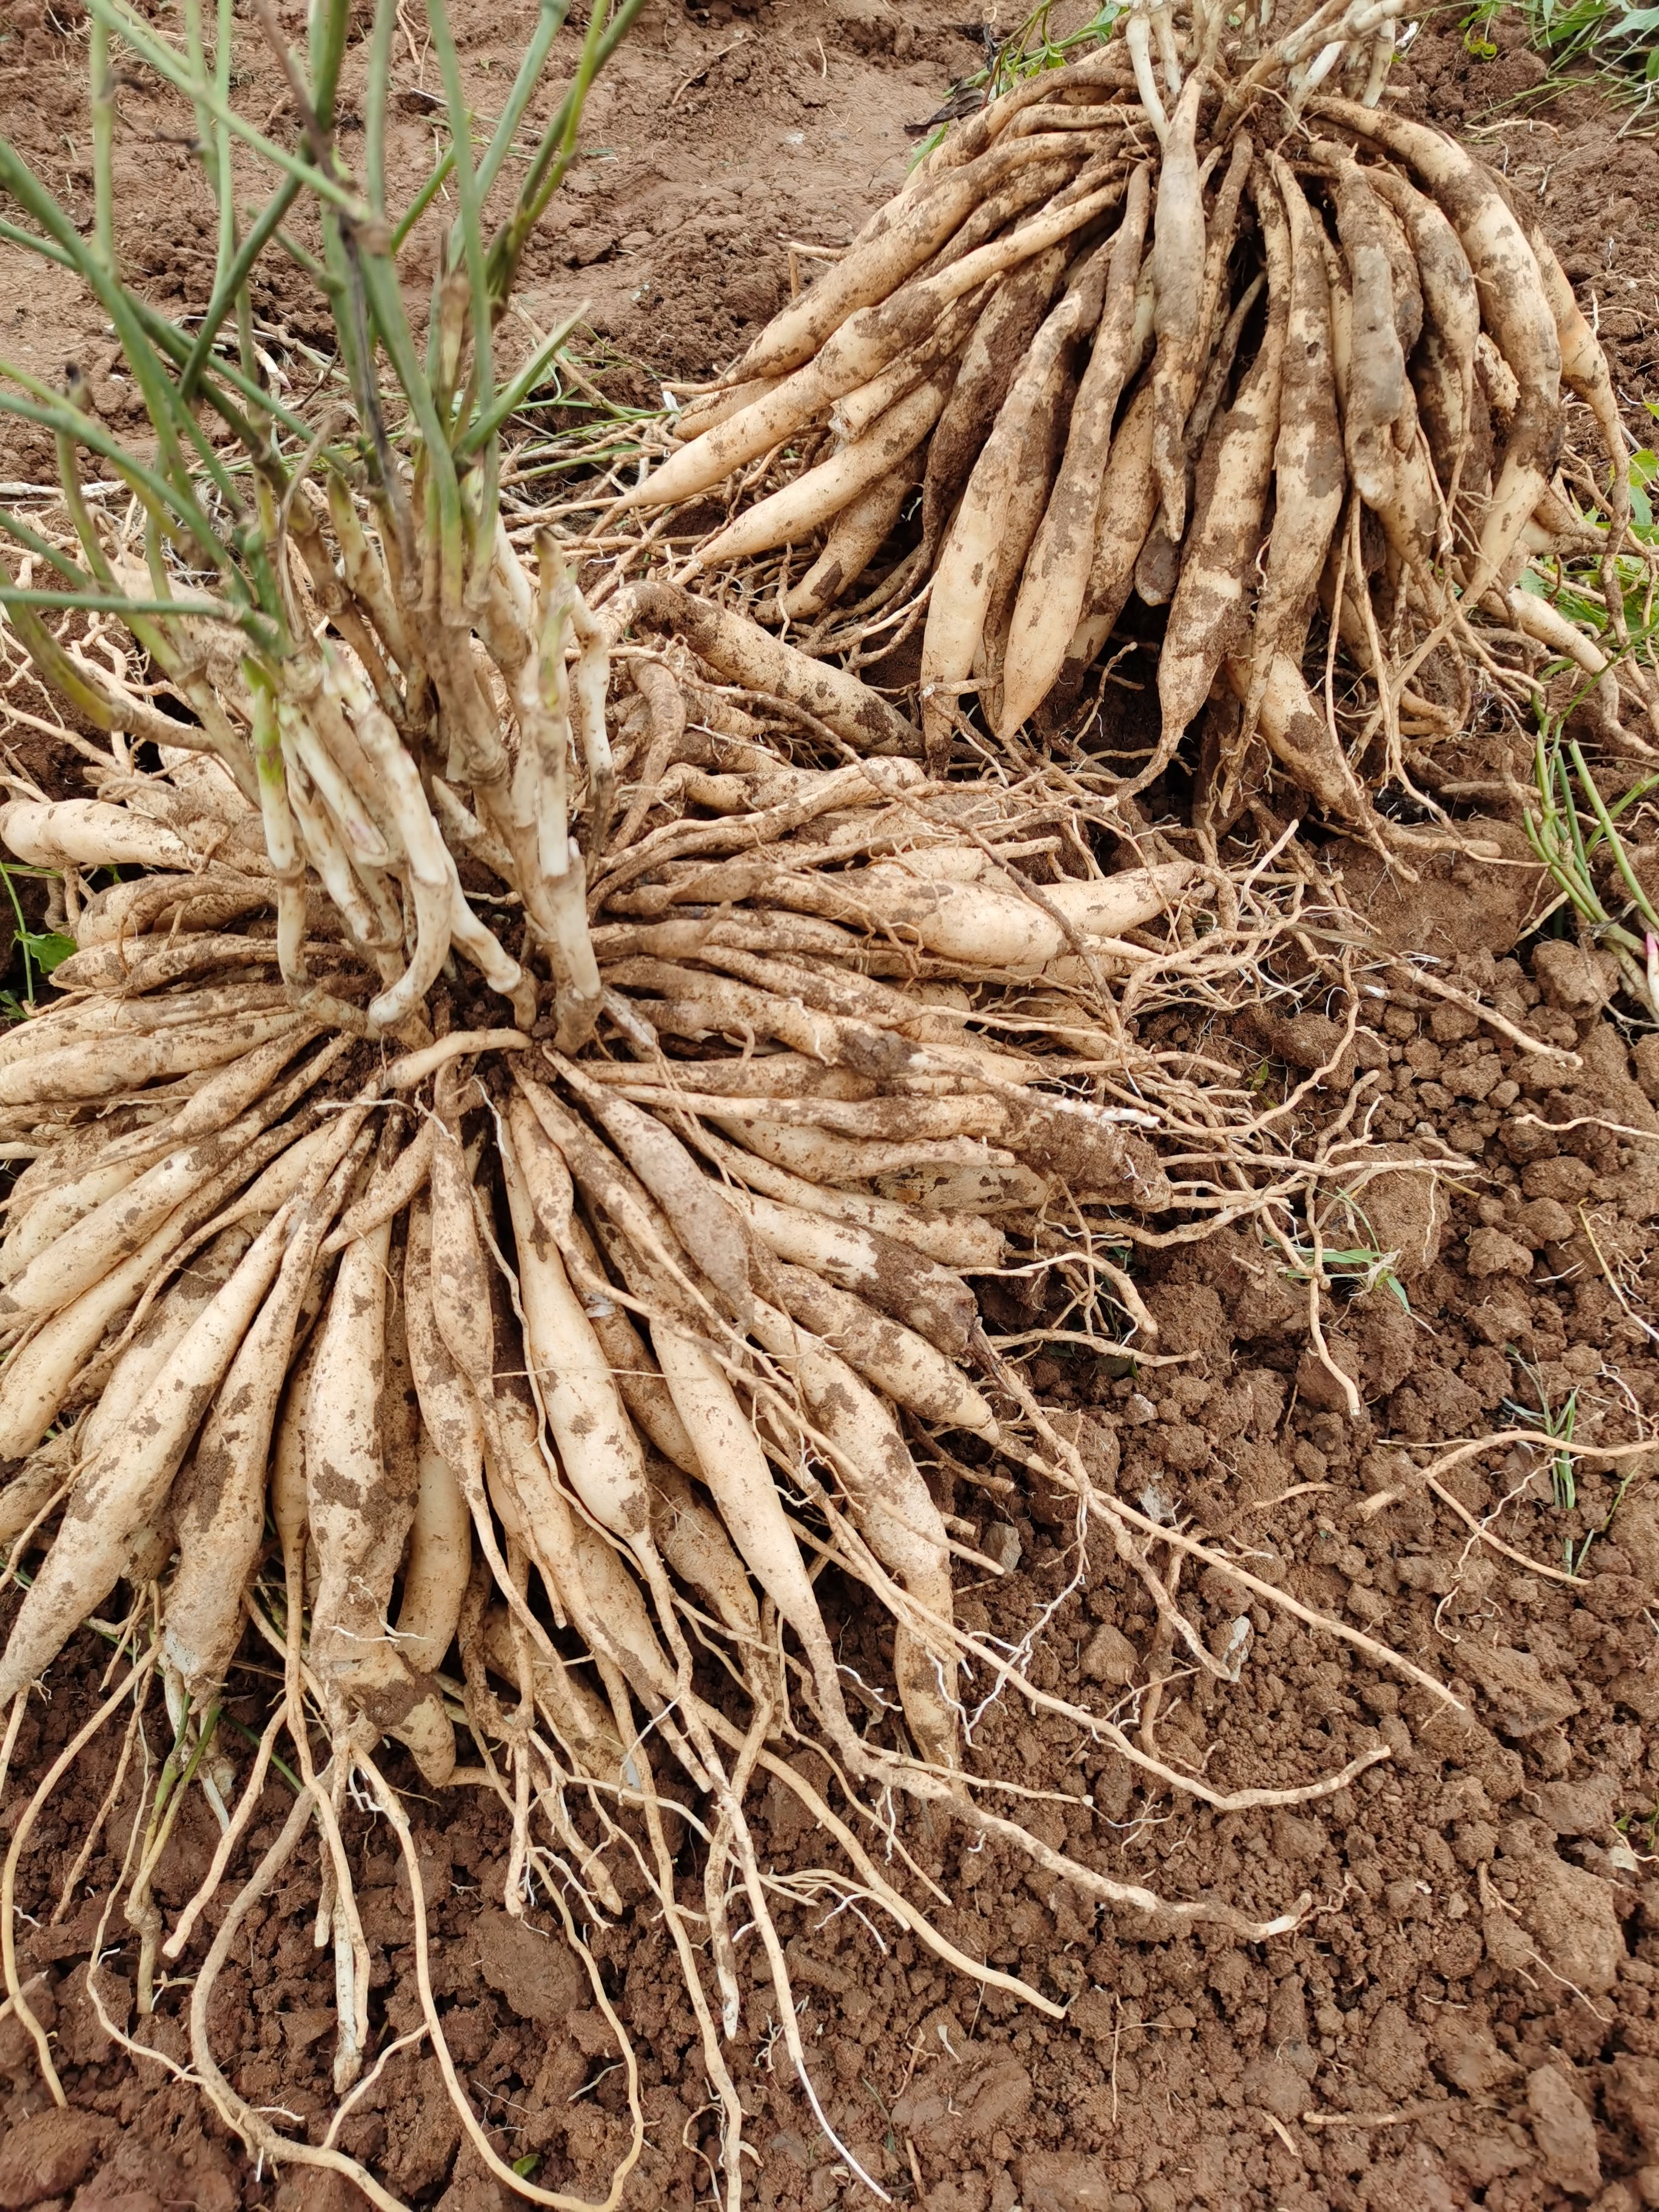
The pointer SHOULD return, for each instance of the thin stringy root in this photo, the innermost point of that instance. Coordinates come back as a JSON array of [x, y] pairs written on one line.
[[1175, 324]]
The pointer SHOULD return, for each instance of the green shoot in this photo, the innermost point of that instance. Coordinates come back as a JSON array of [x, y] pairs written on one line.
[[1033, 47], [1569, 845], [1359, 1267], [1555, 1421], [41, 949]]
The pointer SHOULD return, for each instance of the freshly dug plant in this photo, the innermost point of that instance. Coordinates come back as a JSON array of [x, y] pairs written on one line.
[[1234, 361]]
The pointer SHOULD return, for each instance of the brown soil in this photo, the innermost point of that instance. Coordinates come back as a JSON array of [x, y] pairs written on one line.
[[1469, 2014]]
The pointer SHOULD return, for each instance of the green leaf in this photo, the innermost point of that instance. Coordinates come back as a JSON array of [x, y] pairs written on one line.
[[47, 948], [524, 2166]]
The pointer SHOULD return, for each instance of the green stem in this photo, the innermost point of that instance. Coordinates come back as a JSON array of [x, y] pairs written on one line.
[[380, 81], [553, 155], [423, 200], [14, 526], [56, 415], [169, 415], [1622, 859], [485, 426], [103, 144], [330, 21], [22, 933], [117, 603], [228, 288], [548, 23]]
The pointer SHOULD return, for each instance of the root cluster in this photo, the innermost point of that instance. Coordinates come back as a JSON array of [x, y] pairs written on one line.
[[1176, 325], [580, 1367]]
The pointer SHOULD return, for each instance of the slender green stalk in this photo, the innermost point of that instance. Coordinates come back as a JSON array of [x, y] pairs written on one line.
[[55, 415], [53, 663], [423, 200], [554, 153], [169, 415], [26, 239], [44, 549], [485, 426], [386, 306], [470, 225], [103, 145], [548, 23], [118, 603], [330, 20], [229, 288], [380, 83]]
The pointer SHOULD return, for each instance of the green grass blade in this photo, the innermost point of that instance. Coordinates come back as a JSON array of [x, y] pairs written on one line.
[[117, 603], [1616, 843], [44, 549], [468, 222], [514, 396], [103, 144], [554, 152], [422, 199], [378, 84], [227, 287], [169, 415], [549, 22], [330, 20]]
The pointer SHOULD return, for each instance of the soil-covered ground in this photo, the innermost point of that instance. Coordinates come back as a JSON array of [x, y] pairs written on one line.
[[1469, 2012]]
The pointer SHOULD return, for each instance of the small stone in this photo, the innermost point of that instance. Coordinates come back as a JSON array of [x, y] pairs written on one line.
[[1543, 1221], [1564, 2131], [1274, 2086], [1565, 1178], [1630, 2094], [1109, 1657], [1638, 1689], [538, 1978], [1394, 2052], [1491, 1253], [1466, 2053], [1523, 1701], [1617, 2197], [1572, 1916], [1001, 1546], [1062, 2181], [1138, 1408]]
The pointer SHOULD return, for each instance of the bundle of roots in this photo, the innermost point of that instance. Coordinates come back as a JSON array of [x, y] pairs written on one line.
[[579, 1365], [1175, 321]]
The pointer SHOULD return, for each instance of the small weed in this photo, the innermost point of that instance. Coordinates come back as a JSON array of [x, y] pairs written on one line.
[[1568, 844], [1612, 33], [1030, 48], [42, 949], [1555, 1421]]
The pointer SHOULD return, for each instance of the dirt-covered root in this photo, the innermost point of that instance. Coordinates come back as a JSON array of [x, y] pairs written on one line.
[[1192, 320], [558, 1377]]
